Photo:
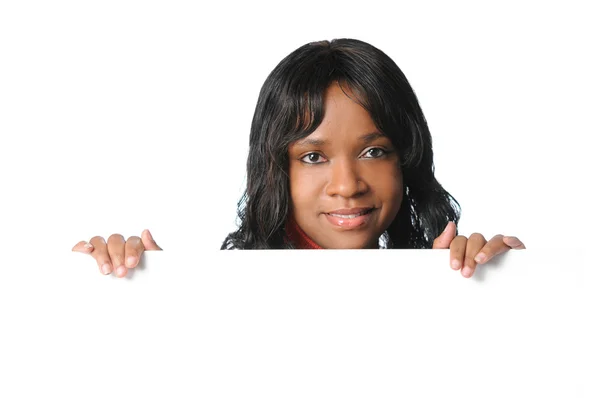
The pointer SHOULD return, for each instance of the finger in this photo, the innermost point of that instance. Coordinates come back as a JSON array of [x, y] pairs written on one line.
[[474, 244], [457, 252], [443, 241], [100, 254], [116, 251], [83, 247], [514, 242], [133, 250], [148, 241], [492, 248]]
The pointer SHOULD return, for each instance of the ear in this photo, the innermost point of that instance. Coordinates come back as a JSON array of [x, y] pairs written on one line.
[[447, 236]]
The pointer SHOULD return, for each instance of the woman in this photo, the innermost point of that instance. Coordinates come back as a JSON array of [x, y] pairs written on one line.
[[340, 157]]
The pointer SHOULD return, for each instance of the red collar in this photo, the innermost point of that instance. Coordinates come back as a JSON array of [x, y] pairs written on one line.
[[298, 237]]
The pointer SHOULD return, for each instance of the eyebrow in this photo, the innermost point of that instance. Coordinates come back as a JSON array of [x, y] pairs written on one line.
[[367, 138]]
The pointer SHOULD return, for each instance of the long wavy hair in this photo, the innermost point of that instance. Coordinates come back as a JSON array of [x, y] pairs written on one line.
[[291, 106]]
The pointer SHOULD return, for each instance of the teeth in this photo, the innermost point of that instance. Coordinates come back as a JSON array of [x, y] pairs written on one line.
[[350, 215], [346, 215]]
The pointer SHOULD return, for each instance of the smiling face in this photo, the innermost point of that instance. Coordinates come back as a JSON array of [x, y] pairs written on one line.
[[345, 179]]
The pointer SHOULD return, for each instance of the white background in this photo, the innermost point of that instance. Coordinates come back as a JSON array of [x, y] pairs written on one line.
[[117, 116]]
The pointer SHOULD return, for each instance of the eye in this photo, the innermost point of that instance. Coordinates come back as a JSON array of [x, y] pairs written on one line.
[[375, 153], [312, 158]]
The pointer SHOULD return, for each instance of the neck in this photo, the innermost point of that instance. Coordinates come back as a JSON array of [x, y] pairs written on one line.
[[298, 236]]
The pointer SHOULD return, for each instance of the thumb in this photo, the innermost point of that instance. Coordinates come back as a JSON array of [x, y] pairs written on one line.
[[148, 241], [447, 236]]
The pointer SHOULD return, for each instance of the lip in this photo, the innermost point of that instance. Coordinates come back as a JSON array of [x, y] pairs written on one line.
[[354, 210], [350, 223]]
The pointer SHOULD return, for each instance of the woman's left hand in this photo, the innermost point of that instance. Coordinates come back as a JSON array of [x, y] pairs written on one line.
[[467, 253]]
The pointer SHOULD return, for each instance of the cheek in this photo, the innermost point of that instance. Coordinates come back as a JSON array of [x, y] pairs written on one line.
[[388, 184], [305, 189], [397, 189]]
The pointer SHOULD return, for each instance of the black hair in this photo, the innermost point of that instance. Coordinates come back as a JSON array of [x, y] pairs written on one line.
[[291, 106]]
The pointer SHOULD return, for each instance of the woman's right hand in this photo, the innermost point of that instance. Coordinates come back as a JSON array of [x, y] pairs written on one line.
[[117, 255]]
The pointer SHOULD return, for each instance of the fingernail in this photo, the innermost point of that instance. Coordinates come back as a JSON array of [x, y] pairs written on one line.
[[121, 271], [131, 260], [150, 235], [512, 241], [467, 272], [480, 258], [106, 269], [455, 264], [87, 246]]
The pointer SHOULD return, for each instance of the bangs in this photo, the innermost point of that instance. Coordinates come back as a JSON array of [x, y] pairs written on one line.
[[310, 106]]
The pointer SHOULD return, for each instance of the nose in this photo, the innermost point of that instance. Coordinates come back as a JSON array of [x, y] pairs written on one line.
[[345, 180]]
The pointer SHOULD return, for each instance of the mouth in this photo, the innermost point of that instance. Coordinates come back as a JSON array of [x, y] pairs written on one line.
[[351, 213], [350, 218]]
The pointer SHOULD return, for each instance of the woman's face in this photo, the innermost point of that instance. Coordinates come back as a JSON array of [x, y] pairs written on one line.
[[345, 179]]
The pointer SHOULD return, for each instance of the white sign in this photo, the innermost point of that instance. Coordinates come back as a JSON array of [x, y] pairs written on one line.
[[383, 323]]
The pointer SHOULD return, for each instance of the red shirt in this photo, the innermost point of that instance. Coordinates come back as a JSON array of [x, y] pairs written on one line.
[[298, 237]]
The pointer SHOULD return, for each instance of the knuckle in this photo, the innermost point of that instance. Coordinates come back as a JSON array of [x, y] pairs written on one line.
[[134, 240], [117, 237], [460, 240], [97, 239], [476, 235]]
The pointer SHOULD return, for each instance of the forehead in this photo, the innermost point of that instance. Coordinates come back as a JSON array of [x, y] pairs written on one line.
[[343, 113]]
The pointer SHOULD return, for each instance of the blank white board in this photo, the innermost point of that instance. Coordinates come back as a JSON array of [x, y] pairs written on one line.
[[384, 323]]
